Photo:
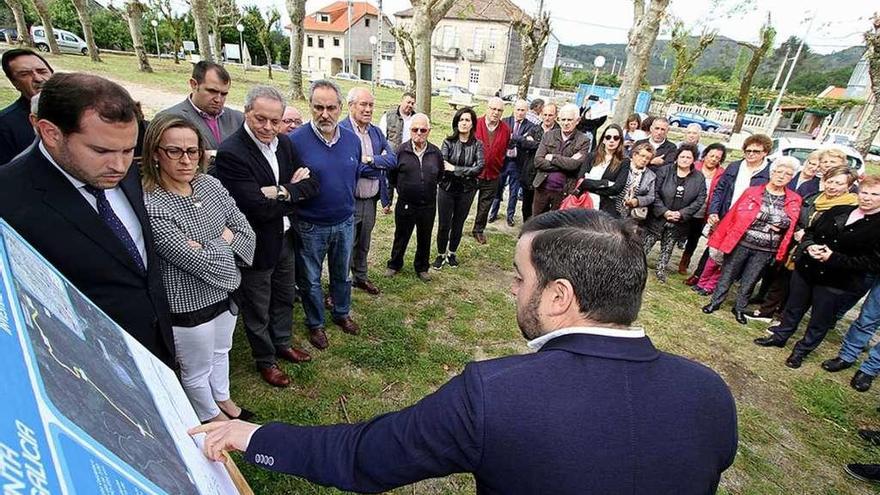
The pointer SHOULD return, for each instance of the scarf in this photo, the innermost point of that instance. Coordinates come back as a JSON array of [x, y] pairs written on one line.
[[824, 203]]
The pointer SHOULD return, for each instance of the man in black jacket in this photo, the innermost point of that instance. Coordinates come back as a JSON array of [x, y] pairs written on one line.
[[78, 201], [419, 166], [664, 149], [265, 177], [27, 71], [518, 148], [527, 164]]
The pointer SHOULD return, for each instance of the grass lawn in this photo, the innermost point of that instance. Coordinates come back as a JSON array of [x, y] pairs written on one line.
[[797, 427]]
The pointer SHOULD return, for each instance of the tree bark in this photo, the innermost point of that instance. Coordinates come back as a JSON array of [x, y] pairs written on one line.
[[43, 11], [134, 12], [407, 52], [296, 9], [871, 125], [24, 36], [426, 15], [534, 34], [85, 19], [745, 87], [685, 57], [642, 35], [201, 21]]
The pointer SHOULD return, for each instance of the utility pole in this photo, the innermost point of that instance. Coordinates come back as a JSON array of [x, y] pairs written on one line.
[[772, 121], [781, 68], [376, 74], [348, 44]]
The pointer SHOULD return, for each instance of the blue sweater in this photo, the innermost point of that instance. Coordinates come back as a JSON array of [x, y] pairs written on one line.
[[336, 168]]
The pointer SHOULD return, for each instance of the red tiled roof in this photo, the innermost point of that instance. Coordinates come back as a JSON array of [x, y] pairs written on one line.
[[338, 12], [833, 92]]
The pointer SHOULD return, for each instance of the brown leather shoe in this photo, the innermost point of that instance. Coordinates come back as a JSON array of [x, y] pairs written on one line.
[[294, 355], [318, 338], [366, 286], [328, 302], [275, 376], [424, 276], [348, 325], [480, 237]]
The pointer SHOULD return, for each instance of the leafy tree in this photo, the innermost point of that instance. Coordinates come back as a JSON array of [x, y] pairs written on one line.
[[263, 28], [686, 55], [296, 9]]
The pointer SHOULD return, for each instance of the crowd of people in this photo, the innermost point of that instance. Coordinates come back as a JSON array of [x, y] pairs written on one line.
[[230, 213]]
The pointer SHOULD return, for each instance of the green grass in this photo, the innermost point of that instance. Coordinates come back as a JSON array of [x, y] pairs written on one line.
[[797, 427]]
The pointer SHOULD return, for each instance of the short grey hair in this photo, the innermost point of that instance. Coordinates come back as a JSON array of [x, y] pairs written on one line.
[[569, 108], [420, 115], [355, 92], [786, 162], [326, 84], [495, 99], [694, 125], [263, 91], [521, 101]]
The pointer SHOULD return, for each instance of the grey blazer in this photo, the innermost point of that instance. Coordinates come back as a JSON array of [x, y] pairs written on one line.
[[230, 121]]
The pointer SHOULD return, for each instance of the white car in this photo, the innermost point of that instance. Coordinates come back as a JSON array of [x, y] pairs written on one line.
[[346, 76], [801, 148], [67, 41]]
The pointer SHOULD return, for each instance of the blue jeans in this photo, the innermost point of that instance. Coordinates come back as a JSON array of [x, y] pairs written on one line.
[[313, 244], [861, 331], [510, 178]]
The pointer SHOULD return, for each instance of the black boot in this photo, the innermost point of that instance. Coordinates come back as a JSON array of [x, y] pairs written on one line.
[[739, 316], [836, 364], [770, 341], [871, 436], [795, 359], [710, 308], [861, 381]]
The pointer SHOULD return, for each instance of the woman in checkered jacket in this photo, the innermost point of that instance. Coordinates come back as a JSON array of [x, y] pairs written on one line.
[[200, 237]]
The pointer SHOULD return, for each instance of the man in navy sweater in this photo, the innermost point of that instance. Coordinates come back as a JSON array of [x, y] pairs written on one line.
[[324, 225], [597, 409]]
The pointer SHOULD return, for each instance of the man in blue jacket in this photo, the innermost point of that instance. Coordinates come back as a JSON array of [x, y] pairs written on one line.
[[375, 151], [597, 409]]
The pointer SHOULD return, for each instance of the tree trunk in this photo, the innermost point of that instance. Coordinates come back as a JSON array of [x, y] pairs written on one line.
[[646, 25], [217, 47], [85, 19], [685, 58], [407, 53], [871, 125], [43, 11], [134, 12], [200, 19], [534, 34], [426, 15], [268, 53], [296, 9], [24, 36]]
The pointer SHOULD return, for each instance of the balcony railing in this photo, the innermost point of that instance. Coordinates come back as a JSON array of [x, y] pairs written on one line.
[[476, 55], [441, 52]]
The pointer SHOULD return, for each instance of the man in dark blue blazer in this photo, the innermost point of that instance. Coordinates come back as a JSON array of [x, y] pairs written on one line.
[[519, 146], [27, 71], [598, 409]]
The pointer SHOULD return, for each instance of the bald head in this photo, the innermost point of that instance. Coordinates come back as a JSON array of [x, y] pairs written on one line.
[[360, 105], [292, 119], [568, 117], [494, 109]]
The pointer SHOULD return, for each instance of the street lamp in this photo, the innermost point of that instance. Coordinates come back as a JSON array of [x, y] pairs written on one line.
[[240, 28], [598, 63], [373, 42], [155, 23]]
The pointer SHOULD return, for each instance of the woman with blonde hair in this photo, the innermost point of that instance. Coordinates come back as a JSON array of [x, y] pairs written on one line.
[[200, 236]]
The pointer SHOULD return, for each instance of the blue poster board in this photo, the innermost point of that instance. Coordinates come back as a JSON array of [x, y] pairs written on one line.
[[86, 409], [609, 95]]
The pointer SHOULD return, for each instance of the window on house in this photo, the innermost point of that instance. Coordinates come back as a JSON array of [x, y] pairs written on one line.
[[320, 63], [335, 41], [492, 40], [320, 42], [445, 72], [310, 41], [311, 63], [479, 39], [367, 22], [324, 17]]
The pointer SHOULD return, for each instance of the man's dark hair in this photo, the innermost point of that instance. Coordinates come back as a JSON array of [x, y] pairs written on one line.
[[602, 257], [10, 55], [201, 68], [408, 93], [536, 104], [66, 97]]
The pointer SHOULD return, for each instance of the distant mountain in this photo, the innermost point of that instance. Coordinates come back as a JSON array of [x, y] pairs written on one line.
[[720, 58]]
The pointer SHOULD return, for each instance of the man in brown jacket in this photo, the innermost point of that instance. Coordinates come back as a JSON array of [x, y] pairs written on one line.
[[561, 153]]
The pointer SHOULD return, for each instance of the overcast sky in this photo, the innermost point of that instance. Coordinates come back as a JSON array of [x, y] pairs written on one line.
[[838, 24]]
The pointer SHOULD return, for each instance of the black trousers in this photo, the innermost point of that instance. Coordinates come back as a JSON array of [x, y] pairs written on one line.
[[695, 230], [406, 218], [452, 211], [777, 281], [528, 195], [746, 264], [487, 190], [828, 305]]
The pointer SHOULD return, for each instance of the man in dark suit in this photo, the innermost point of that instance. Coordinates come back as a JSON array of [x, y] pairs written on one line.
[[265, 177], [27, 71], [76, 199], [518, 147], [598, 409], [664, 149], [205, 106]]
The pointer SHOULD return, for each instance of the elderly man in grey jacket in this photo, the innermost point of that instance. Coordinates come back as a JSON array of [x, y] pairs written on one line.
[[560, 155]]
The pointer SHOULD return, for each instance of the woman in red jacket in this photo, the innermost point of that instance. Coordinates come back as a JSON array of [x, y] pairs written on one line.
[[757, 229]]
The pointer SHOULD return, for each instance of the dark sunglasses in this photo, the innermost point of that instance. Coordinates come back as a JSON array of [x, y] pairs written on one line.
[[611, 137], [419, 130]]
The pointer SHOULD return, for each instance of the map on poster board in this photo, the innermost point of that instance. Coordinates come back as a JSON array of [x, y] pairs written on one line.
[[86, 408]]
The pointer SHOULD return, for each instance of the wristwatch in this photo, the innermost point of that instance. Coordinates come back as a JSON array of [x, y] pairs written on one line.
[[282, 193]]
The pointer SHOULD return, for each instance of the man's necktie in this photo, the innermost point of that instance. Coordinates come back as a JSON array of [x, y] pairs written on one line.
[[105, 211]]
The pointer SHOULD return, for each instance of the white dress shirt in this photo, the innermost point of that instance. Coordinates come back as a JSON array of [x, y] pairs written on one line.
[[118, 201], [268, 151], [623, 333]]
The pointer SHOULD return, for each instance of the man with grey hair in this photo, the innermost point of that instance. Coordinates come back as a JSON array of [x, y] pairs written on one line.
[[267, 180], [518, 146], [324, 226], [375, 149], [419, 167], [692, 134], [494, 134], [559, 157]]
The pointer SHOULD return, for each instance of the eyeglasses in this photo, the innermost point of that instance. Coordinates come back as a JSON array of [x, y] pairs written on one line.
[[419, 130], [753, 152], [612, 137], [177, 153], [292, 121]]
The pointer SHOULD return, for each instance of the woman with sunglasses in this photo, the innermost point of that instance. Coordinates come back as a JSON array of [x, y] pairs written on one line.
[[200, 236], [604, 173], [463, 160]]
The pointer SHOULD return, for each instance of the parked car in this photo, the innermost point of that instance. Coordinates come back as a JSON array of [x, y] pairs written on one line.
[[874, 154], [392, 83], [454, 90], [11, 32], [684, 119], [839, 139], [67, 41], [800, 148], [346, 76]]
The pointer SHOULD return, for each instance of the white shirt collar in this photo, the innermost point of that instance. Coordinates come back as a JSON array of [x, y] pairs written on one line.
[[628, 333], [73, 180], [357, 129], [332, 141], [273, 146]]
